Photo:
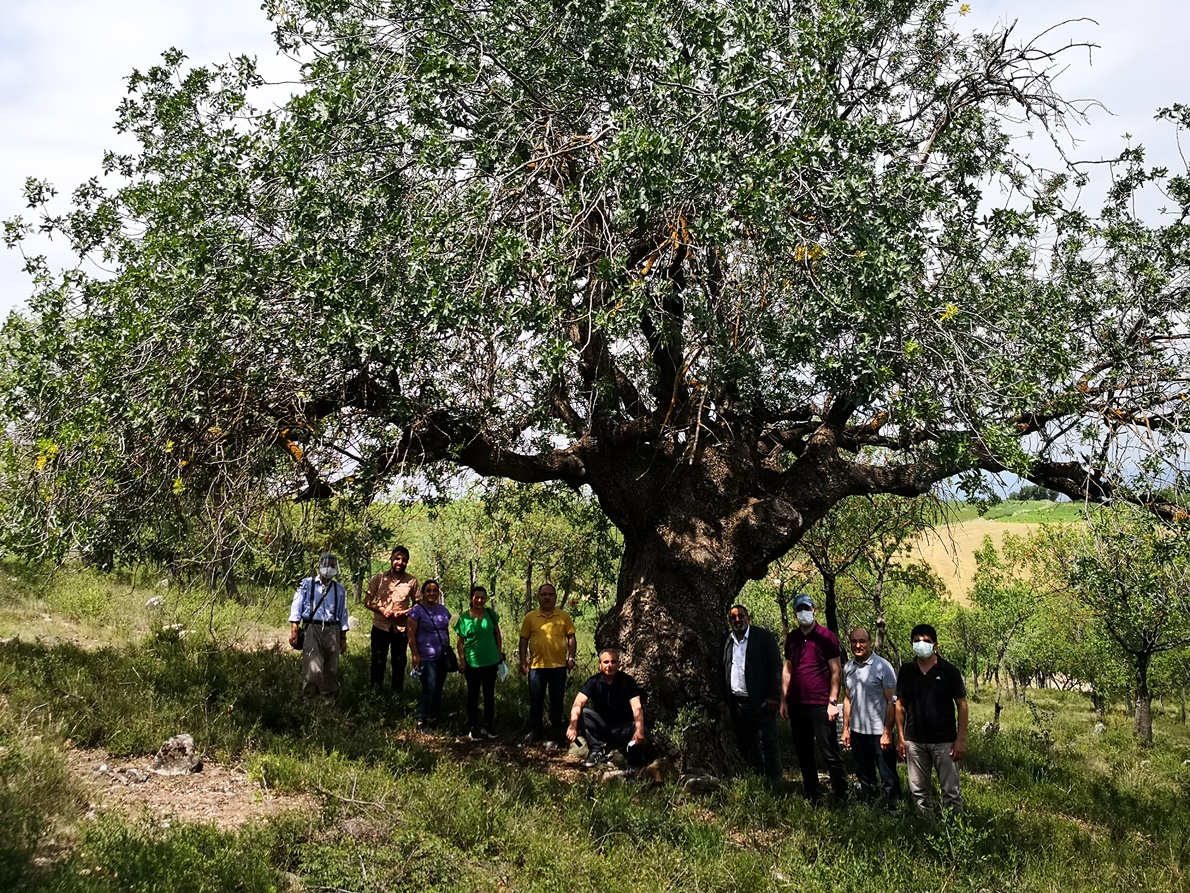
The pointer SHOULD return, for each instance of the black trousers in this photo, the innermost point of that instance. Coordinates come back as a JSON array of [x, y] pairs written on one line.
[[384, 642], [756, 734], [869, 756], [810, 726], [481, 678], [601, 736]]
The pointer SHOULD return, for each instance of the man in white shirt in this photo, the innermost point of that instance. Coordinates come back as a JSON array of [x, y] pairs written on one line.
[[751, 692], [868, 718]]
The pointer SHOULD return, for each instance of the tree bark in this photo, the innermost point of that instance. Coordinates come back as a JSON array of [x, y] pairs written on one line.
[[831, 607], [1143, 720]]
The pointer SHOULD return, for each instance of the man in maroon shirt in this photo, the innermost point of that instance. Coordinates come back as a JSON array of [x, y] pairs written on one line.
[[811, 678]]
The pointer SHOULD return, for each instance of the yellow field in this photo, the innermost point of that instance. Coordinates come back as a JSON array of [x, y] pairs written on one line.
[[950, 550]]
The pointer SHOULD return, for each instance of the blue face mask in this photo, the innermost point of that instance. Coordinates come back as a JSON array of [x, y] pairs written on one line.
[[923, 649]]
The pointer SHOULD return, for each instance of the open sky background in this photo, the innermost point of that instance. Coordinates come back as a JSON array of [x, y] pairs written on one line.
[[63, 64]]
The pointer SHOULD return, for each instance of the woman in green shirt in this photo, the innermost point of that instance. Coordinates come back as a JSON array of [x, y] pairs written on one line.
[[480, 646]]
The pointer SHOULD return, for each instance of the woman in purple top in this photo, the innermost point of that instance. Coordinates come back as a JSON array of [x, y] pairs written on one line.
[[429, 636]]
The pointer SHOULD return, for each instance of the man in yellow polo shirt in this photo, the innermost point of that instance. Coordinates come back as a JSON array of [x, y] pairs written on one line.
[[546, 653]]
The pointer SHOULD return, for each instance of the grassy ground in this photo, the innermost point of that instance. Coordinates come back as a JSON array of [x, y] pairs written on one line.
[[1052, 805]]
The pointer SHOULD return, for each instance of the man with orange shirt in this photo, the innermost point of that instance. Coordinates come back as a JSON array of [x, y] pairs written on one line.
[[390, 596]]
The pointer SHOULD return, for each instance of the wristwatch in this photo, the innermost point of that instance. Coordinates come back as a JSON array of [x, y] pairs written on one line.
[[833, 702]]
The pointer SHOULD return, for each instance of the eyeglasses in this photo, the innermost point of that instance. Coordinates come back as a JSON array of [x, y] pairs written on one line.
[[737, 616]]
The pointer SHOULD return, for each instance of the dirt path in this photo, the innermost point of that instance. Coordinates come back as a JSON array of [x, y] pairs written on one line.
[[219, 795]]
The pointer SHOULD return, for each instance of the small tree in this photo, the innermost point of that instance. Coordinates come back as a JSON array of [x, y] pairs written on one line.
[[1007, 600], [1132, 573]]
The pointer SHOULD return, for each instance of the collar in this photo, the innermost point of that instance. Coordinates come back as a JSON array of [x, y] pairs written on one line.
[[747, 632]]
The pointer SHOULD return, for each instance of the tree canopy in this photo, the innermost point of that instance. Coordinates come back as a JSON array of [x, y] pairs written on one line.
[[723, 263]]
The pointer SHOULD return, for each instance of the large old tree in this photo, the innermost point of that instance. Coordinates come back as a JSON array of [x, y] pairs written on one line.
[[722, 262]]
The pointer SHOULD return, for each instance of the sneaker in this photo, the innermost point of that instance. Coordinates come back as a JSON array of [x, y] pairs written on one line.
[[475, 736], [488, 733], [594, 758]]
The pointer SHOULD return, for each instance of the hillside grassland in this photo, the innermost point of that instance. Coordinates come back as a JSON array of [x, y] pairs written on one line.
[[1052, 805]]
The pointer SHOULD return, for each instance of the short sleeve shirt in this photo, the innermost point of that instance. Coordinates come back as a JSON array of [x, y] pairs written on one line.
[[866, 683], [929, 701], [479, 637], [392, 592], [433, 629], [612, 702], [810, 654], [547, 638]]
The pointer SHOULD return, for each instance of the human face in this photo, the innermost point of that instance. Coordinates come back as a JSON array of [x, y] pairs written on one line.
[[479, 598], [738, 618], [400, 561], [609, 664], [547, 598], [861, 644], [430, 593]]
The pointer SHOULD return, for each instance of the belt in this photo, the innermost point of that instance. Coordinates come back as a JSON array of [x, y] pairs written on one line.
[[323, 622]]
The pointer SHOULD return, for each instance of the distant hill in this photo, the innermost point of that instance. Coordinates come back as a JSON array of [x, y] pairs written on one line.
[[950, 547]]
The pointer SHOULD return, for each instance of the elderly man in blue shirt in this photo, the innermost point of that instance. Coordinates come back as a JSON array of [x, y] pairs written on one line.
[[320, 607]]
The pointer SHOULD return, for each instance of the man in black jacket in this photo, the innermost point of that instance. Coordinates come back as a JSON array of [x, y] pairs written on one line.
[[751, 691]]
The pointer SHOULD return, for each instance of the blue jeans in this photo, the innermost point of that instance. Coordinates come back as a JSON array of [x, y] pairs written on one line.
[[553, 679], [433, 678], [869, 756]]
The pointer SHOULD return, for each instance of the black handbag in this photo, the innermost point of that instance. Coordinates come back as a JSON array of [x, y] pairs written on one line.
[[301, 636], [449, 659]]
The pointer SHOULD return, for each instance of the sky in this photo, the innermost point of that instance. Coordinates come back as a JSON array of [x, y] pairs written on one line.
[[63, 64]]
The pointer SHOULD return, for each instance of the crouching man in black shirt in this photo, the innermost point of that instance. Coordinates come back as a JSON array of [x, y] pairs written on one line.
[[608, 705], [929, 689]]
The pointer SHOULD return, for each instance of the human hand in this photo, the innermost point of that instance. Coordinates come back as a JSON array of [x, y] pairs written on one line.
[[847, 738], [784, 709], [524, 667], [293, 633], [902, 750], [416, 658], [572, 733], [958, 750], [885, 740], [832, 712], [342, 644]]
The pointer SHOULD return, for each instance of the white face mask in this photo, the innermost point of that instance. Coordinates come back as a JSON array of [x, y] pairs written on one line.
[[328, 571], [805, 618], [923, 649]]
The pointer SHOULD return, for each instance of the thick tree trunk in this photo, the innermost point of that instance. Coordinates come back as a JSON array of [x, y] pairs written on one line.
[[669, 621]]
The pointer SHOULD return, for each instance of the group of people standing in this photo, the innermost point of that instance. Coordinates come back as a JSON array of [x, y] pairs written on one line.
[[411, 625], [926, 705]]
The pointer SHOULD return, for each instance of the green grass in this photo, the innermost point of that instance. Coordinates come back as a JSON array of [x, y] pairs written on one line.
[[1051, 805], [1018, 512]]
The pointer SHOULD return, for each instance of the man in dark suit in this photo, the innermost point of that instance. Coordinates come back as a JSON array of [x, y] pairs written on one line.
[[751, 689]]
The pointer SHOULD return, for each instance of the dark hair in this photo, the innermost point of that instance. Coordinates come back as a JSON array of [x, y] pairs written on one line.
[[610, 649], [740, 607], [399, 550], [550, 585], [924, 629], [477, 588], [426, 583]]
